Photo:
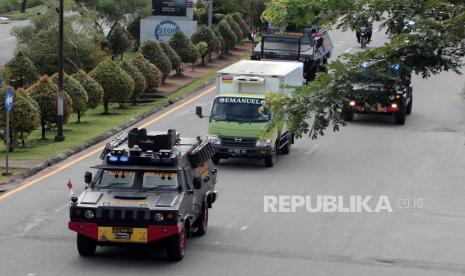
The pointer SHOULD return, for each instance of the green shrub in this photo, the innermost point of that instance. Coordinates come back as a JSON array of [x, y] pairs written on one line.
[[139, 80], [184, 47], [155, 54], [150, 71], [93, 88], [202, 47], [206, 35], [119, 41], [20, 71], [24, 117], [235, 27], [173, 56], [77, 93], [220, 39], [45, 93], [117, 85], [230, 38], [238, 18]]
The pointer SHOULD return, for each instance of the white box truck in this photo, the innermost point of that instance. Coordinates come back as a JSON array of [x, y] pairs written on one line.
[[238, 117]]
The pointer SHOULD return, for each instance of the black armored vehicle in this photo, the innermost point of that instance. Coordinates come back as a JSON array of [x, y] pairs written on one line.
[[312, 46], [386, 92], [152, 187]]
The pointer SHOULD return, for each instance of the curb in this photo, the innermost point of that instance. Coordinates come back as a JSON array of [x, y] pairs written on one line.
[[52, 161]]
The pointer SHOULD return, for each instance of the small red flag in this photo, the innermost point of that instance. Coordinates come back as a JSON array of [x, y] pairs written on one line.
[[69, 184]]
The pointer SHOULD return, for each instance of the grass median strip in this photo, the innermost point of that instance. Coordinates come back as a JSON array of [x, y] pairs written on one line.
[[17, 15]]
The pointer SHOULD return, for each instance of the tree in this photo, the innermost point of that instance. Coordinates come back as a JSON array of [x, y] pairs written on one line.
[[23, 6], [20, 71], [173, 56], [238, 19], [235, 27], [134, 30], [93, 88], [155, 54], [220, 39], [202, 47], [24, 117], [119, 41], [117, 85], [45, 93], [151, 73], [434, 46], [229, 37], [139, 80], [39, 41], [184, 47], [77, 93], [206, 35]]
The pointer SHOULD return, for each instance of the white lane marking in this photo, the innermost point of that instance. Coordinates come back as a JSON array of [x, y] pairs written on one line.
[[348, 50], [244, 227]]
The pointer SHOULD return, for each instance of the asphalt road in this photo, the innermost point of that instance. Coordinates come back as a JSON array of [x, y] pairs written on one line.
[[8, 42], [424, 159]]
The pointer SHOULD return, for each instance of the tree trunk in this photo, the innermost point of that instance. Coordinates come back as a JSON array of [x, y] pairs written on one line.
[[203, 60], [23, 143], [23, 6], [105, 107], [79, 117], [43, 129]]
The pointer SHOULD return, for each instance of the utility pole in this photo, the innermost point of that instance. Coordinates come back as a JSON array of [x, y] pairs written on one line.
[[61, 60], [210, 22]]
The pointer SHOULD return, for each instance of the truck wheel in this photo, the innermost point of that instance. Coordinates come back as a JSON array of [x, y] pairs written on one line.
[[399, 117], [216, 159], [177, 246], [202, 221], [270, 160], [86, 246], [347, 115], [408, 111]]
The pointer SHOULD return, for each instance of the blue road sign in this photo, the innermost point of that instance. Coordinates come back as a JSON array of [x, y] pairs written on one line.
[[9, 99]]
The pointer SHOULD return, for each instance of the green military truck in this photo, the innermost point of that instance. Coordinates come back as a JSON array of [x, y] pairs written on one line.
[[238, 115]]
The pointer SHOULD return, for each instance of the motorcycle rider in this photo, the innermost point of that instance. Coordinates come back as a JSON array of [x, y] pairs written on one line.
[[361, 21]]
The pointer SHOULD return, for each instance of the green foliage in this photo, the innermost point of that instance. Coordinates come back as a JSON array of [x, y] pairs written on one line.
[[220, 39], [238, 19], [24, 117], [93, 88], [229, 37], [184, 47], [202, 47], [201, 12], [235, 27], [151, 72], [155, 54], [134, 30], [119, 41], [13, 5], [77, 93], [45, 93], [139, 80], [172, 55], [39, 41], [117, 85], [20, 71], [206, 35]]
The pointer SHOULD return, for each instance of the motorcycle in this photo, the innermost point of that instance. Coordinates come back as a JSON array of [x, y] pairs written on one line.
[[364, 36]]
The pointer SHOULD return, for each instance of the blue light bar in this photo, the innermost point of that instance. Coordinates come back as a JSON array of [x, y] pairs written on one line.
[[365, 65], [113, 158], [395, 68], [124, 159]]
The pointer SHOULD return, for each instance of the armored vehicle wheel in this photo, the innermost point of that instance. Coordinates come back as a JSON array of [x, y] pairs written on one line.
[[216, 159], [270, 160], [202, 222], [408, 111], [86, 246], [347, 115], [176, 246], [399, 117]]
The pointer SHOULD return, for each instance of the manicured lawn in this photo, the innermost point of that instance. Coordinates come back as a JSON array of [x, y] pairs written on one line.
[[17, 15], [14, 171]]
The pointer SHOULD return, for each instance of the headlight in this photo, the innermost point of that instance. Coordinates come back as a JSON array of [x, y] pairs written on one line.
[[214, 139], [264, 142], [158, 217], [89, 214]]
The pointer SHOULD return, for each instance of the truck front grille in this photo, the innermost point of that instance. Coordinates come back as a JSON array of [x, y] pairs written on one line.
[[123, 216], [238, 141]]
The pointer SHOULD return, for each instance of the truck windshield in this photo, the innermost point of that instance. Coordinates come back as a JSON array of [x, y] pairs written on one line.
[[237, 109], [116, 179], [160, 180]]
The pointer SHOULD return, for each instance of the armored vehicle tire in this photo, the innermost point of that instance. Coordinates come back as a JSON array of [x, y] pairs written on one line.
[[408, 111], [216, 159], [202, 221], [399, 117], [270, 160], [347, 115], [86, 246], [176, 246]]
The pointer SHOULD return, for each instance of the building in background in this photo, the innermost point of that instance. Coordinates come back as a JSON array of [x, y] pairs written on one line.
[[168, 17]]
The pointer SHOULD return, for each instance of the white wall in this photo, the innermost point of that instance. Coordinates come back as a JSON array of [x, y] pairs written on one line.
[[162, 28]]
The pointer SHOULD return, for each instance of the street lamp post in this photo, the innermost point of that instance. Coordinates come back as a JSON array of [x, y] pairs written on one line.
[[60, 118]]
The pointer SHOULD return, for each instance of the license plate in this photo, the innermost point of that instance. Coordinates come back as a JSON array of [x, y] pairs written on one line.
[[237, 151], [122, 234]]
